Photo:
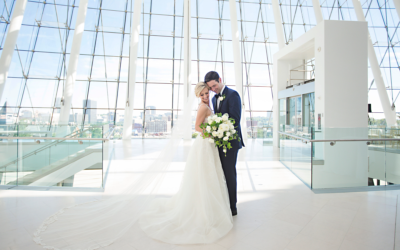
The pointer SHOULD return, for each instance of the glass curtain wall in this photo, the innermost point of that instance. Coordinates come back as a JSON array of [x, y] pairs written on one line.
[[36, 80], [383, 23], [6, 8]]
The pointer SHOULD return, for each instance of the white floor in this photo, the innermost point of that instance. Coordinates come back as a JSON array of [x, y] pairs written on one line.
[[275, 209]]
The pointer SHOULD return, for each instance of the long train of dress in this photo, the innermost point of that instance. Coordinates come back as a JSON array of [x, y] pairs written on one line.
[[199, 212]]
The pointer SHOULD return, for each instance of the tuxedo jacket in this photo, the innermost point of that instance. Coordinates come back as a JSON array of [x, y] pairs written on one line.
[[233, 106]]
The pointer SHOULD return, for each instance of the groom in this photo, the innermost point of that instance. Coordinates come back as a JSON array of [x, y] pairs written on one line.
[[232, 105]]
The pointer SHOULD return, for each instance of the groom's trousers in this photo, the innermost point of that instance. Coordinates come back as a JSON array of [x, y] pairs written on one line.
[[229, 167]]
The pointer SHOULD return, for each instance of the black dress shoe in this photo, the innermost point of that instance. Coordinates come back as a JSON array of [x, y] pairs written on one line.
[[234, 213]]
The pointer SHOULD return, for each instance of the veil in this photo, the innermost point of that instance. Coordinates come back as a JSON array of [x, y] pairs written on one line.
[[99, 223]]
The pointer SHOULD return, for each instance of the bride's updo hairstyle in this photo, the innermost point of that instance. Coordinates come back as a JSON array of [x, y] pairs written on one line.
[[199, 87]]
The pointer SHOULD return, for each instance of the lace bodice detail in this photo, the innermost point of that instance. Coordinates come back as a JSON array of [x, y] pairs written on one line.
[[211, 112]]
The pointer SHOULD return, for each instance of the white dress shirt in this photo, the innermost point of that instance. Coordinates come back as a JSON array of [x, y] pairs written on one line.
[[218, 101]]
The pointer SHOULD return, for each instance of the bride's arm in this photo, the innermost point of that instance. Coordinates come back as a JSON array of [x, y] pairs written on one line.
[[201, 115]]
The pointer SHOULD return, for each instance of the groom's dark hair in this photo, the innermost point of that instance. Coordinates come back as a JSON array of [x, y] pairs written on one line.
[[212, 75]]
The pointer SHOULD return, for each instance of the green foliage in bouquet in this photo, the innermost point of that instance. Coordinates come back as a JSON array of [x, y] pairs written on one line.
[[220, 130]]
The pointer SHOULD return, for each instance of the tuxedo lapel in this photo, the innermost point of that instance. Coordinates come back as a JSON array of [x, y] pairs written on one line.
[[214, 101], [221, 103]]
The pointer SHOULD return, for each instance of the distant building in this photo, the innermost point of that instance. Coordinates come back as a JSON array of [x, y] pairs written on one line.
[[57, 105], [77, 118], [138, 127], [151, 110], [26, 114], [91, 111], [3, 114], [168, 115], [251, 123], [156, 126], [110, 116], [43, 118]]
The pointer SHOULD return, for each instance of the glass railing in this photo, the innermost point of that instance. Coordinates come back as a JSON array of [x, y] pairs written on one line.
[[343, 157], [66, 156]]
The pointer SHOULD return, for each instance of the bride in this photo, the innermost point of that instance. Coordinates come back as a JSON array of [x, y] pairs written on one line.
[[198, 213]]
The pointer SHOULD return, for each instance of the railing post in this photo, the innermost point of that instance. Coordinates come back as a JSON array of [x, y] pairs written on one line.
[[133, 50]]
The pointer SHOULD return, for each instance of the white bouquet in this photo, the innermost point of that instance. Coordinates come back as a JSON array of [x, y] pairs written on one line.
[[220, 130]]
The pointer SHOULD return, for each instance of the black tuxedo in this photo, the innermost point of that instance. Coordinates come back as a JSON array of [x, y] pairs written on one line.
[[233, 106]]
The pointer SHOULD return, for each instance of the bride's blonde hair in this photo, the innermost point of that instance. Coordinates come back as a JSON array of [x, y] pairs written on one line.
[[199, 87]]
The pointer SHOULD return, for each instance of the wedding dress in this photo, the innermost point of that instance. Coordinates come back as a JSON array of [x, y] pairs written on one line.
[[198, 213]]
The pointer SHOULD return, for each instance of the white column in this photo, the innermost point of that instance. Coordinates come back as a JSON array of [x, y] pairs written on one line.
[[73, 63], [281, 43], [397, 6], [11, 40], [133, 50], [187, 70], [237, 62], [390, 114], [278, 24], [317, 11]]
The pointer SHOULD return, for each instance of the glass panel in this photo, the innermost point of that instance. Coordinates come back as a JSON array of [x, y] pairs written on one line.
[[8, 155], [285, 151], [301, 160], [392, 156], [282, 114], [47, 162], [343, 165]]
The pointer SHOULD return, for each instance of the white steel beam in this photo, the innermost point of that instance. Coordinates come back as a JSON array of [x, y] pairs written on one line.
[[237, 63], [187, 69], [390, 114], [11, 41], [133, 51], [278, 24], [73, 63]]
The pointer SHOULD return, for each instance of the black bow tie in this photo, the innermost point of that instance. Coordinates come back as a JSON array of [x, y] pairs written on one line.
[[218, 95]]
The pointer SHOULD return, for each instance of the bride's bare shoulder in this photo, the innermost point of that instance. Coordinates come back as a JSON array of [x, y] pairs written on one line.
[[202, 108]]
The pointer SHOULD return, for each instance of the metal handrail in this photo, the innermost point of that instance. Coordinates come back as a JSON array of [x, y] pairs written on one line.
[[112, 132], [295, 136], [335, 140], [57, 140]]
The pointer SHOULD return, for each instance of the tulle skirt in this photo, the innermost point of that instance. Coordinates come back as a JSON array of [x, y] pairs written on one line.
[[199, 212]]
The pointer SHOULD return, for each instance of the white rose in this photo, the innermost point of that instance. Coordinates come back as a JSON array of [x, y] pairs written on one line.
[[208, 129], [226, 114], [220, 135], [214, 128], [214, 117], [221, 98], [210, 119], [231, 126], [228, 134], [226, 126], [211, 140], [226, 138], [233, 131], [224, 118], [218, 119], [224, 150], [222, 127], [215, 133]]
